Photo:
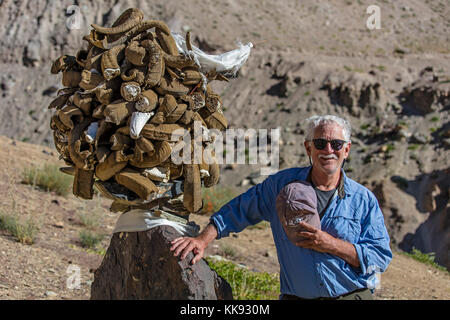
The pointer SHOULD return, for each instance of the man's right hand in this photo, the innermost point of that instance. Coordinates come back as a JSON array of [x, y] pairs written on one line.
[[197, 245], [184, 245]]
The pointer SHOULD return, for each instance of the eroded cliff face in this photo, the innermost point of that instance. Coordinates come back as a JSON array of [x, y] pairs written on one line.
[[309, 58]]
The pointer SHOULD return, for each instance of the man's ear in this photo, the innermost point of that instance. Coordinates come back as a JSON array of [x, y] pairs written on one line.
[[347, 149], [307, 147]]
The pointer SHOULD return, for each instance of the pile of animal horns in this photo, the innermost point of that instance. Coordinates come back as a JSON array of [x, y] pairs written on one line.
[[123, 98]]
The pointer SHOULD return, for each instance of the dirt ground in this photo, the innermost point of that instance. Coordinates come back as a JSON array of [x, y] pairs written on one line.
[[48, 269]]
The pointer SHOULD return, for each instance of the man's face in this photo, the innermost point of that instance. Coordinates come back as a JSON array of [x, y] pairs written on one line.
[[327, 160]]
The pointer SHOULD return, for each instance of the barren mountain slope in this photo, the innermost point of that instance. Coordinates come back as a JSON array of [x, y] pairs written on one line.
[[413, 34]]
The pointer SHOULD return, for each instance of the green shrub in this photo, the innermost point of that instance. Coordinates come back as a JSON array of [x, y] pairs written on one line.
[[90, 239], [90, 219], [245, 284], [48, 178], [390, 147], [434, 119], [365, 126], [24, 233], [413, 147], [229, 251], [427, 258]]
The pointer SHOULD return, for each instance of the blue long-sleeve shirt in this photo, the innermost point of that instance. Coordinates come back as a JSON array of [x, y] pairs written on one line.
[[353, 215]]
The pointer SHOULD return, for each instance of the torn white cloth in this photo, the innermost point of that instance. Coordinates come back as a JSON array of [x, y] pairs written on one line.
[[141, 220], [227, 63]]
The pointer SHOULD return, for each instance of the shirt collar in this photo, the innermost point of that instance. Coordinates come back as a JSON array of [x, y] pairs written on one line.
[[343, 186]]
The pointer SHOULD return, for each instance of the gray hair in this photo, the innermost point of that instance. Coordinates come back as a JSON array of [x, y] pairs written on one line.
[[315, 121]]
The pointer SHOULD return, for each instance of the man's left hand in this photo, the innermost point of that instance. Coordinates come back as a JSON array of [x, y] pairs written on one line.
[[316, 239]]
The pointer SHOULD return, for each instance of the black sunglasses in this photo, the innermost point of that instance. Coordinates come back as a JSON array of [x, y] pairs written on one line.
[[336, 144]]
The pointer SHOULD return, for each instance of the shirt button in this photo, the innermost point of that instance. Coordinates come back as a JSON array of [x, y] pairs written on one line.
[[321, 284]]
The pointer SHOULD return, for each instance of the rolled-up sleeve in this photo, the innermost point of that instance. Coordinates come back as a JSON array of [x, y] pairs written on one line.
[[246, 209], [374, 252]]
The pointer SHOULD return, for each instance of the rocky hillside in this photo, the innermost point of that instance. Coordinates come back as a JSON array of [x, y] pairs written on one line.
[[49, 268], [310, 57]]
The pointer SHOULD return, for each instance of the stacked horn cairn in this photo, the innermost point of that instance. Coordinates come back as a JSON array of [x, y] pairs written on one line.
[[124, 97]]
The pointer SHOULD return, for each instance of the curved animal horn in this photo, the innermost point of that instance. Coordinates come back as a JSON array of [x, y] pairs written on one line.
[[191, 76], [162, 152], [130, 91], [97, 40], [110, 65], [63, 63], [178, 61], [103, 41], [59, 101], [57, 125], [214, 174], [135, 182], [173, 87], [176, 171], [169, 132], [113, 164], [186, 118], [81, 57], [147, 101], [135, 74], [83, 101], [67, 113], [198, 101], [118, 111], [106, 93], [94, 59], [156, 64], [167, 42], [216, 121], [192, 199], [120, 141], [90, 80], [213, 101], [83, 183], [135, 54], [148, 24], [145, 144], [61, 146], [127, 20], [176, 114], [71, 78], [82, 159], [168, 105]]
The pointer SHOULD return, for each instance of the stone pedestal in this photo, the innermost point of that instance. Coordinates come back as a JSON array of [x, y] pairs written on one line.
[[140, 265]]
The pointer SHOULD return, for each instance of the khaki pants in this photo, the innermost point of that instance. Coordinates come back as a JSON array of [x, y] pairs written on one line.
[[361, 294]]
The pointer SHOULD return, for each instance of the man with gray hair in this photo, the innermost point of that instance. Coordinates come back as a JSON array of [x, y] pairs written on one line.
[[337, 260]]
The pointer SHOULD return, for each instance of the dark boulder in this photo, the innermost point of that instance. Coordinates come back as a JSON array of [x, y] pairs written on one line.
[[140, 265]]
